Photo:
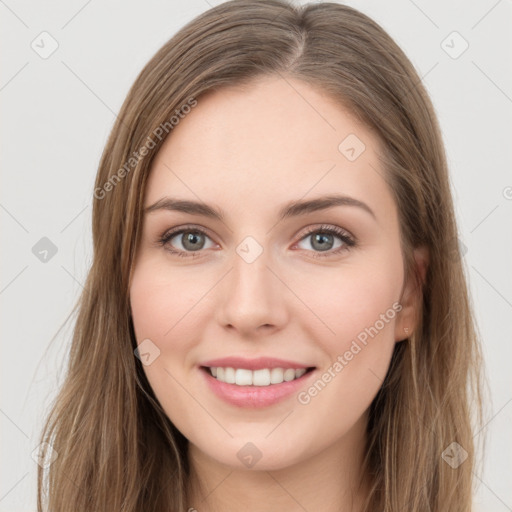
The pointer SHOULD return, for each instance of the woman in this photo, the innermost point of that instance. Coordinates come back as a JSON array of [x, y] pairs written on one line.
[[315, 353]]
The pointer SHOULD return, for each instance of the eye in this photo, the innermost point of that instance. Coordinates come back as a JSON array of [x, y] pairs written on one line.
[[322, 240], [191, 240], [194, 241]]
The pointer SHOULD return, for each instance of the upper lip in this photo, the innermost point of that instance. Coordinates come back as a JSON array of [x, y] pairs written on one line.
[[253, 364]]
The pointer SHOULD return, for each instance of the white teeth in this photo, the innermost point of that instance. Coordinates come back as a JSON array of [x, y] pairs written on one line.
[[243, 377], [289, 374], [229, 375], [263, 377], [276, 375]]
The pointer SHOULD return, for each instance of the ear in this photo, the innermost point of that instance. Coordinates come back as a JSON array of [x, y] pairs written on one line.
[[408, 317]]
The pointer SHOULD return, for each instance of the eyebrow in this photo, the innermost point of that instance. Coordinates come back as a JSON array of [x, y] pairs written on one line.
[[291, 209]]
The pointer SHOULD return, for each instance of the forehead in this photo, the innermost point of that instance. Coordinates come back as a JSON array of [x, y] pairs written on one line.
[[272, 141]]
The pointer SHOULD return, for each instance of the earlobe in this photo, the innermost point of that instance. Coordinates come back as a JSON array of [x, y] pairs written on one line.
[[411, 301]]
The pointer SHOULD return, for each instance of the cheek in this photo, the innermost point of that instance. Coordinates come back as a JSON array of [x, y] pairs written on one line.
[[164, 308], [169, 307], [162, 301], [358, 307], [353, 299]]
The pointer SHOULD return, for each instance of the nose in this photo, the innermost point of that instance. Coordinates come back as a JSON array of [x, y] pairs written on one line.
[[252, 298]]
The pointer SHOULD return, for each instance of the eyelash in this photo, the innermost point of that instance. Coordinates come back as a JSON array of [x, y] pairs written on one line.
[[348, 242]]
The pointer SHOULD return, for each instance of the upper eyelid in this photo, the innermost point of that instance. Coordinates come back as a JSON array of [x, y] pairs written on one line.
[[179, 230]]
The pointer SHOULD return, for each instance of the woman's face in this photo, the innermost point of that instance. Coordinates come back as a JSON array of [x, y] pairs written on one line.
[[258, 284]]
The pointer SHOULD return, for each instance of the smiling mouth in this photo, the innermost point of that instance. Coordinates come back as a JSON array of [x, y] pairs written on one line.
[[261, 377]]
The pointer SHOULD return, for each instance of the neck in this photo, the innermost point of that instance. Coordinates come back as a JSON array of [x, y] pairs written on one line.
[[328, 481]]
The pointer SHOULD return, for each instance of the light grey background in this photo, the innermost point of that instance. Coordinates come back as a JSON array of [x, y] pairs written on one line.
[[58, 111]]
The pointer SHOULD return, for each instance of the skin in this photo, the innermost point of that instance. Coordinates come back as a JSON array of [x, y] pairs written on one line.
[[248, 151]]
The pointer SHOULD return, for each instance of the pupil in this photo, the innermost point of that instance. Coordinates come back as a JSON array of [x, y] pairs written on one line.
[[191, 238], [322, 238]]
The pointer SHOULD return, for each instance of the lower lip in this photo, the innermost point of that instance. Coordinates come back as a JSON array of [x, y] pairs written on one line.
[[254, 396]]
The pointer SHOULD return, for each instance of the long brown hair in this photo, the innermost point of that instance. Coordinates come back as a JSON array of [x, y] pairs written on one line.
[[117, 450]]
